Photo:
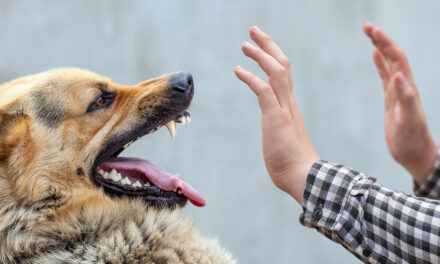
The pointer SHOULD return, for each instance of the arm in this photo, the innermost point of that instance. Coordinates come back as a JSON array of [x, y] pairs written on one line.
[[371, 221], [406, 130], [375, 224]]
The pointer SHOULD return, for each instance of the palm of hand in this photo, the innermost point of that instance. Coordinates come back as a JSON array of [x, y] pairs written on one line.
[[406, 131]]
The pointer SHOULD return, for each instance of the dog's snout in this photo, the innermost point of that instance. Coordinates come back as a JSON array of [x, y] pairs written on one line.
[[182, 82]]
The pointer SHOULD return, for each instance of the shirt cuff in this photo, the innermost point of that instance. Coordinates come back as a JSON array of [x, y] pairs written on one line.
[[431, 186], [327, 189]]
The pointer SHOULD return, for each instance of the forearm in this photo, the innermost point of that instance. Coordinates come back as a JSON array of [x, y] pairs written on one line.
[[375, 224]]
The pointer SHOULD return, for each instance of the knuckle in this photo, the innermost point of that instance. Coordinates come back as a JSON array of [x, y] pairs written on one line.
[[410, 95], [265, 89], [283, 70], [267, 38]]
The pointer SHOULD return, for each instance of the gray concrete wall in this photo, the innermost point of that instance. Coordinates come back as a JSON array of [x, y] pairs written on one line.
[[220, 151]]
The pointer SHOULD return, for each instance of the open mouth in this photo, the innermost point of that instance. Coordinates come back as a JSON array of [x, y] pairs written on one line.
[[134, 177]]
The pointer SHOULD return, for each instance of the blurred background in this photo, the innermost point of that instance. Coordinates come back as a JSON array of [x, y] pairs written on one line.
[[219, 153]]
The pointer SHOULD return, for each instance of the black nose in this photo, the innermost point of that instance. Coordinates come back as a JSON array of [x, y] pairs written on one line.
[[182, 82]]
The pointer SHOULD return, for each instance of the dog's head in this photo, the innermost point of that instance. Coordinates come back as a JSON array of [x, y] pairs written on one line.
[[62, 130]]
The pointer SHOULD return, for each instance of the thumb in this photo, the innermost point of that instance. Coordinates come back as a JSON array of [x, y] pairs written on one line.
[[404, 92]]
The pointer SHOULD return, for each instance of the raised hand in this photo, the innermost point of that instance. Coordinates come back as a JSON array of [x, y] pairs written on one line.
[[406, 130], [287, 149]]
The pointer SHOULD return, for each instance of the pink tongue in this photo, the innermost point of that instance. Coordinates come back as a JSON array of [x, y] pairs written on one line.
[[158, 176]]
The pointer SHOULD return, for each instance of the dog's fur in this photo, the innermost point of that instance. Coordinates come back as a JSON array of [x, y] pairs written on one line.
[[50, 209]]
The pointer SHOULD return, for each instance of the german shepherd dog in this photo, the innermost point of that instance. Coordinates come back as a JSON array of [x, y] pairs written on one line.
[[66, 196]]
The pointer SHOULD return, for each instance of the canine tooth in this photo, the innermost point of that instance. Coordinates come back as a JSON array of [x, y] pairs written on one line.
[[147, 184], [174, 190], [101, 171], [188, 119], [137, 184], [105, 175], [179, 191], [172, 128], [126, 181]]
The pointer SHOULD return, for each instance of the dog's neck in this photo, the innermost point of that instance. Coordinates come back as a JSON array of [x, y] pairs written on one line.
[[102, 228]]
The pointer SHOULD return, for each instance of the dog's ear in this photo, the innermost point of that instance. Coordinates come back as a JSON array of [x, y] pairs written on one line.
[[12, 126]]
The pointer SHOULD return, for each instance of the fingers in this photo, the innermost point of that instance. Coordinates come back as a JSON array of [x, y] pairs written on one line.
[[382, 67], [269, 46], [387, 45], [391, 52], [278, 75], [404, 93], [267, 63], [266, 43], [408, 101], [400, 91], [383, 42], [368, 29], [266, 96]]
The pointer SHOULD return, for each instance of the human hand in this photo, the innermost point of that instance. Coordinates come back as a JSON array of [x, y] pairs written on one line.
[[406, 130], [287, 149]]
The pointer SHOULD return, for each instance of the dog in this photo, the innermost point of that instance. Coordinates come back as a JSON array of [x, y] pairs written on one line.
[[65, 194]]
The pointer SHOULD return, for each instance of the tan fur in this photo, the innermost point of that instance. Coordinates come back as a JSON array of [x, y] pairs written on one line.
[[49, 213]]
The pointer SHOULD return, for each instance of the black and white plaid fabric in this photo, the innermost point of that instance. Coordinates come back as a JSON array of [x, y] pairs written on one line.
[[374, 223], [431, 187]]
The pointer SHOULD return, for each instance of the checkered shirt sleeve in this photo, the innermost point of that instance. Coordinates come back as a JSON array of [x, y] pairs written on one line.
[[431, 186], [374, 223]]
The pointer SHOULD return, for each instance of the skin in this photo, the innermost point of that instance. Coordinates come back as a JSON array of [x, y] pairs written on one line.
[[406, 131], [287, 149]]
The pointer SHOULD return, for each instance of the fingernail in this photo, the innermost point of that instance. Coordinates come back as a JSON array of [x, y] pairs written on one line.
[[255, 28], [246, 43], [238, 68]]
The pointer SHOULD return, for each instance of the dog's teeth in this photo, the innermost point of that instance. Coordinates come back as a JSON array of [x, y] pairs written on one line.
[[126, 181], [182, 120], [179, 191], [172, 127], [113, 172], [147, 184], [137, 184], [115, 176], [101, 171], [174, 190], [106, 175], [188, 119]]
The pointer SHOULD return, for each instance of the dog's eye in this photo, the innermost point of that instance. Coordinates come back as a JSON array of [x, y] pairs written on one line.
[[104, 100], [99, 102]]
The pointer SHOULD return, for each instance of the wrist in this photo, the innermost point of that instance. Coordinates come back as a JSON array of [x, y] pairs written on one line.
[[421, 168], [298, 180]]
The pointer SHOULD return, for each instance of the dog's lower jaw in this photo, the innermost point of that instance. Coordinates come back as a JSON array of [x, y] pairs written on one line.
[[122, 231]]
